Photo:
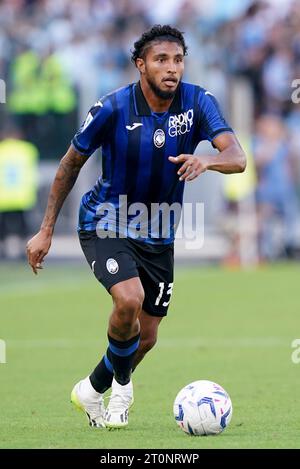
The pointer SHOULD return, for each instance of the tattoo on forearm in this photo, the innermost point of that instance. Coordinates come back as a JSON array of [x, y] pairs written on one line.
[[65, 179]]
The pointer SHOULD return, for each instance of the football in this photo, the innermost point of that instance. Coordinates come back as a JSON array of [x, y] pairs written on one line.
[[202, 408]]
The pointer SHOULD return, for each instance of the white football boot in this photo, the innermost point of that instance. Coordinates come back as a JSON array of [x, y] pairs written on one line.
[[121, 399], [85, 398]]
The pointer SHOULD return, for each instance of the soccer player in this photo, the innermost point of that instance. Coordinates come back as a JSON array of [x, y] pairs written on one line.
[[148, 132]]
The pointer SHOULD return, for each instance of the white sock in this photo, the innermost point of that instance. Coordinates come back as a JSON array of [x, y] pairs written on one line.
[[87, 390]]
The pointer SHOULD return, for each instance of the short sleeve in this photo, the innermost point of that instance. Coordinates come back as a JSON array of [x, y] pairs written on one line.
[[211, 120], [94, 129]]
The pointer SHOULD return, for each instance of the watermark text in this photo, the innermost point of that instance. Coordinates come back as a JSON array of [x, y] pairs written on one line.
[[154, 221], [2, 351], [2, 92], [296, 93], [296, 353]]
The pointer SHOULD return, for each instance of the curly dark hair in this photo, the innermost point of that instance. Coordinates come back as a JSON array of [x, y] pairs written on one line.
[[157, 32]]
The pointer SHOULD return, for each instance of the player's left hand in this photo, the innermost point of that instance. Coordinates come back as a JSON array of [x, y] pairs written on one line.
[[192, 166]]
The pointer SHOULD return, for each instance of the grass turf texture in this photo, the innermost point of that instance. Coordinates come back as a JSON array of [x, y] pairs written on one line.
[[235, 328]]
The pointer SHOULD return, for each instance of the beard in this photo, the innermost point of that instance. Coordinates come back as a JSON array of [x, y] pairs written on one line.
[[166, 95]]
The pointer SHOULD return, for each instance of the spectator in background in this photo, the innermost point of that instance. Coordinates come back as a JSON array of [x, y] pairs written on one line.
[[239, 220], [276, 194], [41, 99], [18, 189]]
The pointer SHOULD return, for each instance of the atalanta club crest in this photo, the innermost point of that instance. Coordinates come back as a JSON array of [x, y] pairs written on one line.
[[112, 266], [159, 138]]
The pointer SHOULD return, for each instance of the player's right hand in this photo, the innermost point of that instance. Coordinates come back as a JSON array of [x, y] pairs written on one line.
[[37, 248]]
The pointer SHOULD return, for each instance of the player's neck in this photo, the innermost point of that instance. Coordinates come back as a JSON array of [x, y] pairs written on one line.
[[155, 103]]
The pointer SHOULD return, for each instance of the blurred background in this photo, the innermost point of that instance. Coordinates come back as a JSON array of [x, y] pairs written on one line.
[[228, 322], [57, 57]]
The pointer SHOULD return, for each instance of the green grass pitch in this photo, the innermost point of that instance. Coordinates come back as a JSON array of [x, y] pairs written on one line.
[[235, 328]]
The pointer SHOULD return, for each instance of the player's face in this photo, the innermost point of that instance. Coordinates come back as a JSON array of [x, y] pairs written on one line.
[[163, 68]]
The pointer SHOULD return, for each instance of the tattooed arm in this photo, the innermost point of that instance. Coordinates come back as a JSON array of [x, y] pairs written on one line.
[[66, 175]]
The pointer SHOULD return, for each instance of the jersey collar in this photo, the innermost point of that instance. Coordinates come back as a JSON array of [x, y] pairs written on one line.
[[142, 108]]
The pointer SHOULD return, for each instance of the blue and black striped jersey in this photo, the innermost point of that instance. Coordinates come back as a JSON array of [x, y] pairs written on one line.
[[136, 144]]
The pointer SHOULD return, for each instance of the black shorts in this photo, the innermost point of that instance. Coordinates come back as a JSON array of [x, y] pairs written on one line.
[[114, 260]]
